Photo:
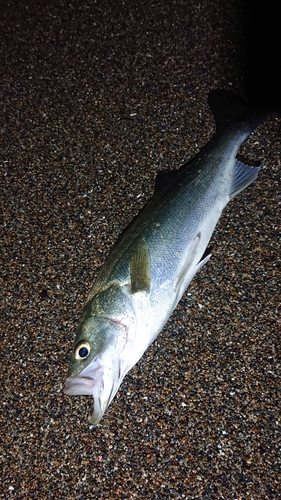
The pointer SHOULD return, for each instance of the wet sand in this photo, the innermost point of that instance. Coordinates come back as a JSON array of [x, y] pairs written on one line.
[[96, 98]]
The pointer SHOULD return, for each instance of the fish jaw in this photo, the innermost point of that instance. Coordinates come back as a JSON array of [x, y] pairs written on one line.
[[101, 380]]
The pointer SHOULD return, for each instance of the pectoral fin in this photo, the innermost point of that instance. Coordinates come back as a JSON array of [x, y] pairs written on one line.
[[140, 267]]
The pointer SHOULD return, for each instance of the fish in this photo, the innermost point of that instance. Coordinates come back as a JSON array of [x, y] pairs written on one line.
[[154, 260]]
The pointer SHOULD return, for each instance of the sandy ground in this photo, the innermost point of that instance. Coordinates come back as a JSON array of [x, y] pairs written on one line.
[[96, 97]]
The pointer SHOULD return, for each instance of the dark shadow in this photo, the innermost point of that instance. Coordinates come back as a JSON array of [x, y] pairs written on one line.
[[263, 54]]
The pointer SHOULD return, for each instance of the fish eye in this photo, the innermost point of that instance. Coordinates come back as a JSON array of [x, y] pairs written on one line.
[[82, 350]]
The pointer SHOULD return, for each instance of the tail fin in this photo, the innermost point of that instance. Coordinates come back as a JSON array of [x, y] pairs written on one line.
[[228, 108]]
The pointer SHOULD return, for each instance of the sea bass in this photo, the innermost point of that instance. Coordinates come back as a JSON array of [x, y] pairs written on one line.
[[155, 259]]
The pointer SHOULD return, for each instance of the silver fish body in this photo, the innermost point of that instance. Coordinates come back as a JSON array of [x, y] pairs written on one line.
[[153, 262]]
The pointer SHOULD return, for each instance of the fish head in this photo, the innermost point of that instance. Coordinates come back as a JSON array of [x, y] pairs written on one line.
[[98, 363]]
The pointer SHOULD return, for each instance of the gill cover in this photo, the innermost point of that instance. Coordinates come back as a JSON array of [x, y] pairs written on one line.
[[107, 320]]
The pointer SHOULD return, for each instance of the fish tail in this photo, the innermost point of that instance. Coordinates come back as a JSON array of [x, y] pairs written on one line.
[[228, 108]]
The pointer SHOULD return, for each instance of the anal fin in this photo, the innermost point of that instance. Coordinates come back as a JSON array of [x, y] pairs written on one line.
[[243, 177]]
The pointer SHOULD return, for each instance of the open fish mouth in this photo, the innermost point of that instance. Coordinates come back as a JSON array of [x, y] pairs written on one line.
[[95, 381], [79, 386], [86, 387], [85, 382]]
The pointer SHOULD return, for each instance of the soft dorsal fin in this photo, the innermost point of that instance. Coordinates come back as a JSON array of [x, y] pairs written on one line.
[[163, 178]]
